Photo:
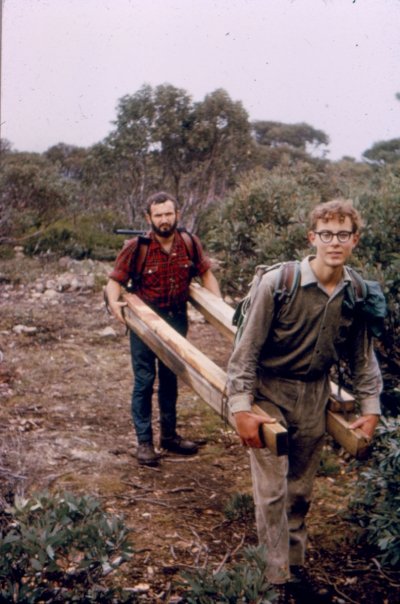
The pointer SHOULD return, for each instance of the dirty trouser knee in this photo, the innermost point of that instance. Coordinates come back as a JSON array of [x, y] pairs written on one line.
[[282, 485]]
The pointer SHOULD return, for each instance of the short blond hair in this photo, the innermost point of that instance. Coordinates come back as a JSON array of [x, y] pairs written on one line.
[[336, 208]]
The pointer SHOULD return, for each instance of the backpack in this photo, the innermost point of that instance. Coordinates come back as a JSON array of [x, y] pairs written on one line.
[[365, 296], [140, 254], [286, 283]]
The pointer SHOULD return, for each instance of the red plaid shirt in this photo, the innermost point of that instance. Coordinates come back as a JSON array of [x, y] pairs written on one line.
[[165, 278]]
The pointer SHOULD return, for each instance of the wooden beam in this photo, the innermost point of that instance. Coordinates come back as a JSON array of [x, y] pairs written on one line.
[[275, 438], [214, 309], [191, 365], [220, 315], [354, 441]]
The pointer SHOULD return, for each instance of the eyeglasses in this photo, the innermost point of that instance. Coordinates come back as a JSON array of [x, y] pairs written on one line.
[[327, 236]]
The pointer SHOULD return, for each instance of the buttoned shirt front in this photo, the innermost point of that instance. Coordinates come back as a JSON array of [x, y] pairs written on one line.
[[301, 340]]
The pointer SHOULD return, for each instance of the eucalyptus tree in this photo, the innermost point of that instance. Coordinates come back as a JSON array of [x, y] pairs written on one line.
[[32, 193], [147, 147], [69, 159], [279, 142], [384, 152], [161, 139], [220, 149]]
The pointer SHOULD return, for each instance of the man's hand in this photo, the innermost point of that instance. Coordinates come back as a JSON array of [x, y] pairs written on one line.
[[112, 295], [367, 424], [248, 427], [116, 309], [209, 281]]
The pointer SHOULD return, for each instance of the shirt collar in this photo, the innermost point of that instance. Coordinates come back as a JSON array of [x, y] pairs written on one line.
[[308, 276]]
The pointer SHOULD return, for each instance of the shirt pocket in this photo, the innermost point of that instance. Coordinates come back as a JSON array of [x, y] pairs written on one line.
[[151, 276], [184, 273]]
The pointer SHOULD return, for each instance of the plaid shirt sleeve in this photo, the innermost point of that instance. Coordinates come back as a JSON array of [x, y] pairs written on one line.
[[122, 268], [203, 263]]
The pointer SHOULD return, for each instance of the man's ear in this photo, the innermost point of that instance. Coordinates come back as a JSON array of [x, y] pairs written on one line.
[[148, 219], [311, 237], [356, 239]]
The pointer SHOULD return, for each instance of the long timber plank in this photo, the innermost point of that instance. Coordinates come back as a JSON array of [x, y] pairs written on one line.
[[191, 365], [220, 314]]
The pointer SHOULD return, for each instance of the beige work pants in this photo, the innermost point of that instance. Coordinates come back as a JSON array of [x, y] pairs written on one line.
[[282, 485]]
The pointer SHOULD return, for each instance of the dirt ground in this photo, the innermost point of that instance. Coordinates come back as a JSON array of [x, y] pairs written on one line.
[[65, 425]]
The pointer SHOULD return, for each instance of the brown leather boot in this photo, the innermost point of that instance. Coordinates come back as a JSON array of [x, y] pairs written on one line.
[[179, 445], [146, 455]]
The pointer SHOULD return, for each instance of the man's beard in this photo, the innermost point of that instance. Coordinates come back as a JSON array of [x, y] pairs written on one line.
[[164, 232]]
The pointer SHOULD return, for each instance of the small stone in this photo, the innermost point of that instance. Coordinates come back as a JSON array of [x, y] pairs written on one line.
[[50, 294], [19, 329], [107, 332]]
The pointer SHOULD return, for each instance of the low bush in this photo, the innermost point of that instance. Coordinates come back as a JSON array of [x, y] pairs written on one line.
[[83, 236], [375, 505], [244, 583], [58, 549], [240, 507]]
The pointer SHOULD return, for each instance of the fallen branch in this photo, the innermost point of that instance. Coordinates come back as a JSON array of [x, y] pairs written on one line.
[[229, 555]]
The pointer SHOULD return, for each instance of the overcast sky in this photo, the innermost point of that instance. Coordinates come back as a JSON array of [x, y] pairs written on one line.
[[334, 64]]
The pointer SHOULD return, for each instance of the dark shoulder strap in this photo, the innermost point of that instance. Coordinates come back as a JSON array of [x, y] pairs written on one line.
[[139, 257], [190, 244], [358, 284], [287, 280]]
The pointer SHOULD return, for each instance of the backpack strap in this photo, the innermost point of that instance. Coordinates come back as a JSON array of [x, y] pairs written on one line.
[[358, 285], [140, 248], [140, 256], [287, 280], [190, 244]]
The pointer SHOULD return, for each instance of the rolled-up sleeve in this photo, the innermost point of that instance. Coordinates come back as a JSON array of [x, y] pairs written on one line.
[[122, 268]]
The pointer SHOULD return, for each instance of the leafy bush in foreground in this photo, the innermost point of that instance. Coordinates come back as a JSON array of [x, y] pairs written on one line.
[[244, 583], [57, 549], [376, 501], [240, 507]]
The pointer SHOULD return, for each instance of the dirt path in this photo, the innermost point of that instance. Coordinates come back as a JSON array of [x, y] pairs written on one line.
[[65, 425]]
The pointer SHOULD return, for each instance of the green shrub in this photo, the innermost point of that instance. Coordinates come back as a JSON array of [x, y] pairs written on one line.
[[329, 464], [84, 236], [244, 583], [240, 507], [379, 257], [262, 221], [58, 548], [376, 501]]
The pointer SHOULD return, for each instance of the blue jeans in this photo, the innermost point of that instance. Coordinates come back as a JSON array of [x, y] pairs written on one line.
[[144, 363]]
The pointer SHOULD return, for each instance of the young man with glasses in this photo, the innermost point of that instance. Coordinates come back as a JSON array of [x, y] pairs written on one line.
[[282, 362]]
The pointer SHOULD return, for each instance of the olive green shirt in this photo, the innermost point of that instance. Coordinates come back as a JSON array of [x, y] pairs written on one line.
[[302, 341]]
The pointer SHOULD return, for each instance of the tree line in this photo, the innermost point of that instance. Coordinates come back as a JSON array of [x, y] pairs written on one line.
[[245, 186]]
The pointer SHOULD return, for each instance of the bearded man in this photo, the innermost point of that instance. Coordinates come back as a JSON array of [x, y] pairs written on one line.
[[170, 258]]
